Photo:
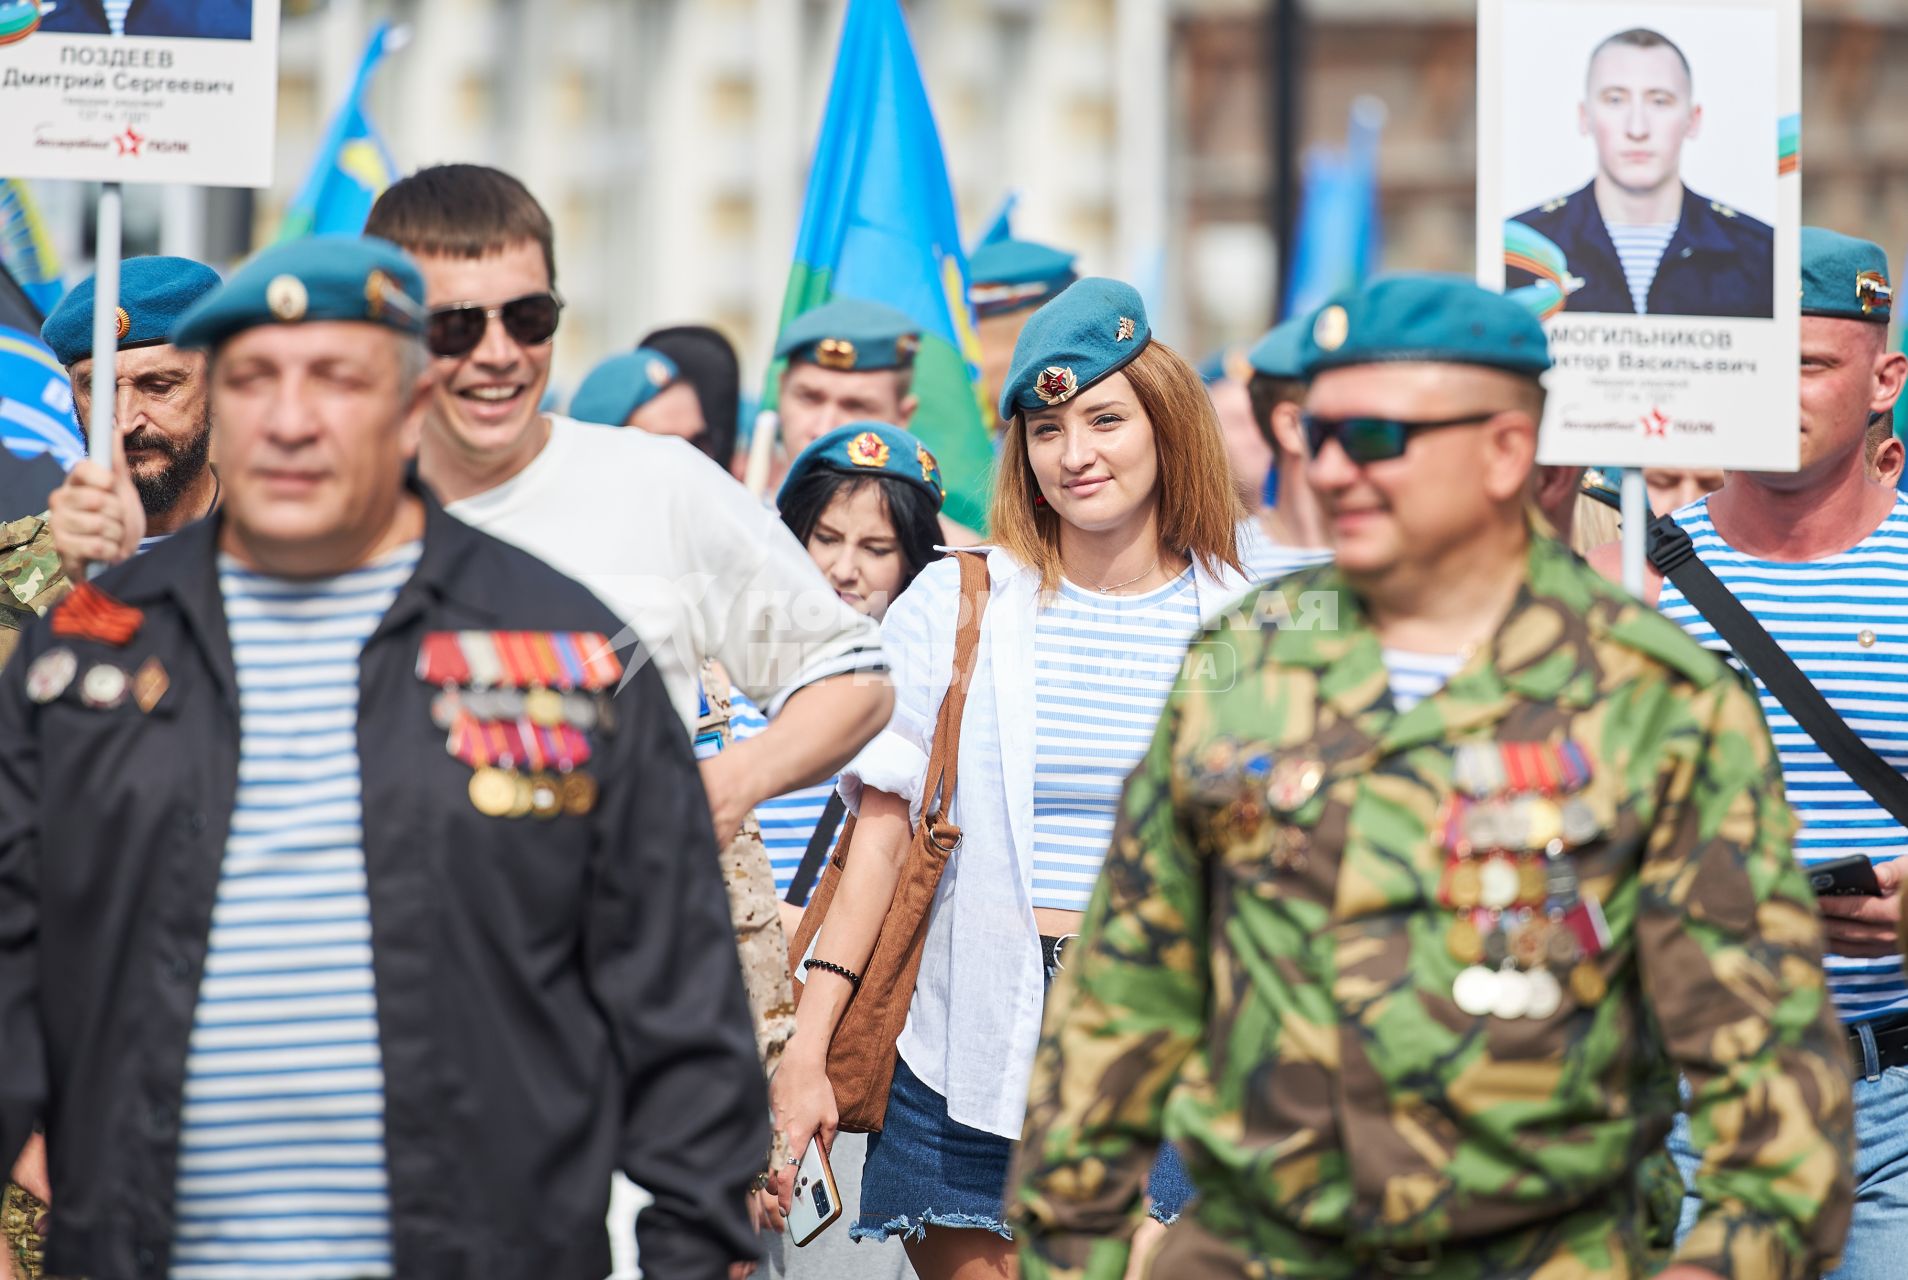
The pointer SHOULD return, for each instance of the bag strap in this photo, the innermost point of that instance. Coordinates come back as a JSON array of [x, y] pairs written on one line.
[[1674, 555], [937, 794], [817, 851]]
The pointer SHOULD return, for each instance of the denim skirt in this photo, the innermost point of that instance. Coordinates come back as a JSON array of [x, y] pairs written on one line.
[[926, 1169]]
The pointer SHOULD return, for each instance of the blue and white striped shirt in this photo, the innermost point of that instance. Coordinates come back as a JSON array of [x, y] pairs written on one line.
[[1416, 676], [1821, 612], [116, 15], [1103, 666], [281, 1152], [1266, 561], [1640, 248], [787, 822]]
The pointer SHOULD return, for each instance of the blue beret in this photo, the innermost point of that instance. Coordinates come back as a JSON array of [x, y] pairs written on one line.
[[851, 335], [1016, 275], [621, 385], [1602, 486], [1092, 329], [1278, 354], [317, 278], [1428, 319], [153, 294], [1844, 278], [870, 448]]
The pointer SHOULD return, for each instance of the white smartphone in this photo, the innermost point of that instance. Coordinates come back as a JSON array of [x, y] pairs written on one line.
[[816, 1204]]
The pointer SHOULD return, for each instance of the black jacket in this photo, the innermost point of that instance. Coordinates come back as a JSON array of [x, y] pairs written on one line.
[[555, 998], [1720, 262]]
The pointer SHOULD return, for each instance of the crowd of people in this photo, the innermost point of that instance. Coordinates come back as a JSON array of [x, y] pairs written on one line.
[[1274, 846]]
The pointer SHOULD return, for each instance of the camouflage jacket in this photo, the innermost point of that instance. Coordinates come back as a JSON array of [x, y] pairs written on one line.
[[30, 573], [1267, 971]]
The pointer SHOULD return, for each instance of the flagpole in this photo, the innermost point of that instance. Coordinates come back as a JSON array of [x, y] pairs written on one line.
[[768, 425], [99, 427]]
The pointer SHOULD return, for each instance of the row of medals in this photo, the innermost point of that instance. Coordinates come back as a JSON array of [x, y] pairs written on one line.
[[1520, 915], [539, 724]]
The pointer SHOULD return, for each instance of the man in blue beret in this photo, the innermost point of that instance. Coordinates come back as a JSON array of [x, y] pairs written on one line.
[[160, 480], [1287, 532], [1439, 850], [848, 360], [1636, 240], [641, 389], [410, 879], [1815, 556], [1007, 281]]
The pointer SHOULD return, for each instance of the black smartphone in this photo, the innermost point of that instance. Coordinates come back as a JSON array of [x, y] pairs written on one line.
[[1853, 876]]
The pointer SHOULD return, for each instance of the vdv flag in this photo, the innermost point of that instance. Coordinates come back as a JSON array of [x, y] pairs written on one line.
[[26, 251], [353, 166], [1337, 234], [879, 224]]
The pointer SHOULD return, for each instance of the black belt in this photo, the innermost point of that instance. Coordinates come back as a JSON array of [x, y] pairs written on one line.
[[1891, 1043], [1053, 951]]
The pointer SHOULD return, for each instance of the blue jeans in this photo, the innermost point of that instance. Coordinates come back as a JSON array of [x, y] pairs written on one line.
[[1878, 1235]]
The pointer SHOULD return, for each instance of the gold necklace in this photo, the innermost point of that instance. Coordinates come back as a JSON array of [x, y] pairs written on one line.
[[1109, 590]]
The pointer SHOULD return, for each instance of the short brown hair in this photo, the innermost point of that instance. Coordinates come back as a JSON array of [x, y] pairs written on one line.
[[1881, 428], [462, 211], [1644, 38], [1268, 393], [1199, 510]]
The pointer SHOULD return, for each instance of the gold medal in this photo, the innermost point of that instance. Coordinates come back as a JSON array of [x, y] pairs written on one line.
[[1466, 889], [544, 707], [520, 794], [1463, 941], [1533, 886], [1545, 824], [546, 795], [1294, 781], [492, 792], [1527, 945], [578, 791], [1587, 984]]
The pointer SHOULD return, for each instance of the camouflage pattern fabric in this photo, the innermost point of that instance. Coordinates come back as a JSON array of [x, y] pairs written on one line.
[[30, 573], [21, 1218], [759, 939], [1266, 972]]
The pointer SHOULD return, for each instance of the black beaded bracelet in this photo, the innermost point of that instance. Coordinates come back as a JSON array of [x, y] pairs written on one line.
[[854, 979]]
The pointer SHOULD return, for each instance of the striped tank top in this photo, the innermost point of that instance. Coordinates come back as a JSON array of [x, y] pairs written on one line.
[[281, 1150], [1843, 619], [1103, 666]]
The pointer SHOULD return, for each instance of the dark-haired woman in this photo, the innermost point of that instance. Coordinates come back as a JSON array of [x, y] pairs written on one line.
[[1115, 519]]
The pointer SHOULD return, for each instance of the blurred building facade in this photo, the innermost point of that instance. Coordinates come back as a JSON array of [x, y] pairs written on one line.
[[670, 138]]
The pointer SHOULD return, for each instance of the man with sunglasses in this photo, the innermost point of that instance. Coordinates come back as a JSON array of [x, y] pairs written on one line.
[[1431, 903], [667, 539]]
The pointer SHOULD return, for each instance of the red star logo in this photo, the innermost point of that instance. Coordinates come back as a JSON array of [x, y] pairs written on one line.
[[128, 142], [1655, 424]]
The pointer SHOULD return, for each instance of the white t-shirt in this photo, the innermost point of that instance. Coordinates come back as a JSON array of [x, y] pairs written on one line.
[[681, 552]]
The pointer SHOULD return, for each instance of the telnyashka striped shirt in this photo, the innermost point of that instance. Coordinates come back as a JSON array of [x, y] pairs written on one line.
[[281, 1153], [1103, 666], [1640, 249], [1416, 676], [787, 822], [1843, 619], [1267, 561], [116, 15]]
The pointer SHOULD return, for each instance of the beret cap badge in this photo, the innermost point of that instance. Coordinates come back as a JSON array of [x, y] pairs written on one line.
[[1056, 384], [1331, 328], [868, 450], [287, 298], [122, 324], [1125, 331], [928, 465], [835, 353], [657, 372], [1872, 291]]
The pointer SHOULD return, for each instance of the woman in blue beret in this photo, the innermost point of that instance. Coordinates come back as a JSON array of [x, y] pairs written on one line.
[[1114, 518]]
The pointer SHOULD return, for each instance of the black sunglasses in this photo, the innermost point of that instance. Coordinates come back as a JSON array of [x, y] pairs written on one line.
[[1374, 439], [455, 331]]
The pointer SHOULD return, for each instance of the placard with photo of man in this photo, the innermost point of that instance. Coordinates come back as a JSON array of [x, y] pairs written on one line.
[[1636, 239]]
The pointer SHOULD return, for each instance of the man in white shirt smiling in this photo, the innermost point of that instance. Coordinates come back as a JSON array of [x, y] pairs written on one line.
[[678, 550]]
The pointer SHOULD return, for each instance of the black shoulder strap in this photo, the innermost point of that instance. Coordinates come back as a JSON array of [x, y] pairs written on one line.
[[1675, 558], [817, 851]]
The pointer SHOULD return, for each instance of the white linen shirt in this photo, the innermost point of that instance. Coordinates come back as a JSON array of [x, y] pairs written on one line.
[[685, 556], [975, 1018]]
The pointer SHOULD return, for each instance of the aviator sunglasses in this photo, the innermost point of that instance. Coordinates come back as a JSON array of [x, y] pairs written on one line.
[[456, 330], [1367, 440]]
